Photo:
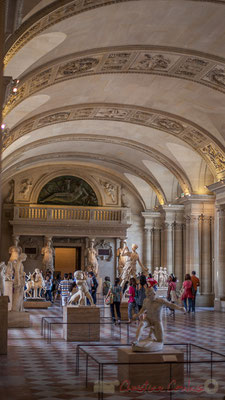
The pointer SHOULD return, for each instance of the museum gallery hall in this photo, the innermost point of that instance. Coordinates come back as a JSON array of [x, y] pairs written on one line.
[[112, 217]]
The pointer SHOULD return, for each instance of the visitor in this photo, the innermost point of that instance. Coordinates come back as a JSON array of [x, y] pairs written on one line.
[[152, 282], [48, 288], [140, 292], [171, 291], [195, 285], [116, 292], [64, 288], [94, 285], [106, 286], [56, 289], [187, 295], [131, 302]]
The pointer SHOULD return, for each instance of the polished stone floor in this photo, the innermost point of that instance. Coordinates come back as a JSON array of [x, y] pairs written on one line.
[[35, 369]]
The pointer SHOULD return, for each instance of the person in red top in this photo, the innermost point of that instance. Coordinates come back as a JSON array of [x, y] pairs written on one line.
[[132, 302], [187, 292], [195, 284], [152, 282]]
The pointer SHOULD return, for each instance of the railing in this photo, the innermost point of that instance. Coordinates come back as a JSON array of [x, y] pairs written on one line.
[[58, 213]]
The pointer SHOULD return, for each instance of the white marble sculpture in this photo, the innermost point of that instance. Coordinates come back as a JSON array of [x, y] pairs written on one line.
[[15, 251], [92, 261], [9, 271], [129, 269], [82, 292], [152, 313], [34, 284], [48, 260], [165, 277], [156, 274], [161, 277], [2, 278], [18, 284], [121, 258]]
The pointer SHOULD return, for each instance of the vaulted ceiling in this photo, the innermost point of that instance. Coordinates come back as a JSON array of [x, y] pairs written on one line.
[[136, 87]]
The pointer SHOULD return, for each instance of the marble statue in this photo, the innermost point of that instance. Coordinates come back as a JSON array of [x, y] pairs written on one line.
[[156, 274], [2, 278], [36, 283], [19, 283], [121, 258], [165, 277], [9, 270], [152, 313], [82, 292], [129, 269], [161, 277], [15, 250], [92, 261], [48, 260]]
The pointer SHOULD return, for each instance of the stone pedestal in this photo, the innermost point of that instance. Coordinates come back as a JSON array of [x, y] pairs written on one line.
[[18, 319], [162, 292], [8, 292], [35, 303], [73, 315], [124, 310], [155, 375], [3, 324]]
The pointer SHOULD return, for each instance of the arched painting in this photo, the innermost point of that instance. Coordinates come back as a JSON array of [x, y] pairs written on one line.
[[68, 190]]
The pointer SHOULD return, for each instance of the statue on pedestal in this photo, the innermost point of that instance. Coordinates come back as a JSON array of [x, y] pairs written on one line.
[[35, 283], [15, 250], [82, 292], [129, 269], [165, 277], [2, 278], [9, 271], [92, 261], [121, 258], [19, 283], [156, 274], [48, 260], [152, 313]]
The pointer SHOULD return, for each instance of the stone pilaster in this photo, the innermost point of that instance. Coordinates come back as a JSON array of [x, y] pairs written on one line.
[[178, 252]]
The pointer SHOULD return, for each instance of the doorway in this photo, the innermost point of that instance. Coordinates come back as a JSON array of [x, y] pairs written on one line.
[[67, 259]]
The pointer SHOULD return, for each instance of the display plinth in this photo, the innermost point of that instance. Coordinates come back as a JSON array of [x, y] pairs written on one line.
[[75, 315], [124, 310], [3, 324], [36, 303], [157, 375], [162, 292], [18, 319], [8, 292]]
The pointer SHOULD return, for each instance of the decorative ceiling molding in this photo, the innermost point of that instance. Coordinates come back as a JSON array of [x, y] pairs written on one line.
[[198, 138], [54, 13], [149, 151], [171, 62], [73, 156]]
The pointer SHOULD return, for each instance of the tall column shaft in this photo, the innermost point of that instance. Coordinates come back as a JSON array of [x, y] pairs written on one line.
[[220, 250], [206, 253], [178, 252], [156, 248], [168, 247], [147, 251]]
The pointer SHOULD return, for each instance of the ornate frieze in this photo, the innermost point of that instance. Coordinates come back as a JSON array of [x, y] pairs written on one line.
[[215, 156], [168, 62]]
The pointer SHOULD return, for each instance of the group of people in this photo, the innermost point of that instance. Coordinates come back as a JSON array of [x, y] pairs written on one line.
[[136, 293]]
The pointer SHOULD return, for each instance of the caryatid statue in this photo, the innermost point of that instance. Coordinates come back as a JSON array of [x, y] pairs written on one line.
[[48, 260], [121, 258], [129, 269], [152, 312], [82, 292], [19, 283], [92, 261], [15, 250]]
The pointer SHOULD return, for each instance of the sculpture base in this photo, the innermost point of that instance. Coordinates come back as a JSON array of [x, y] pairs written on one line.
[[36, 303], [18, 319], [124, 309], [147, 346], [157, 375], [3, 324], [162, 292], [73, 315]]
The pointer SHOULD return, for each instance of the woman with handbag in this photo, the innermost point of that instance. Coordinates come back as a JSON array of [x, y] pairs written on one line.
[[187, 295], [171, 292], [114, 297]]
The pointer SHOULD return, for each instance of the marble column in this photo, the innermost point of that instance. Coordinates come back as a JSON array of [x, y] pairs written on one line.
[[147, 250], [192, 244], [206, 252], [220, 259], [178, 253], [3, 324], [168, 247], [156, 247]]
